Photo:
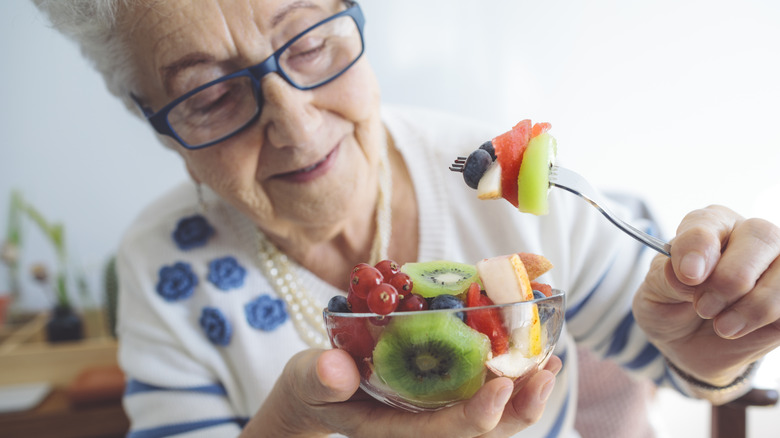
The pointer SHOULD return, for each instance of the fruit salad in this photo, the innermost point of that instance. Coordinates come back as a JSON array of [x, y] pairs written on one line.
[[427, 335], [514, 166]]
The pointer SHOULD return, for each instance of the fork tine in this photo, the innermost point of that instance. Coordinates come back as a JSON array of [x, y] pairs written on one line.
[[459, 164]]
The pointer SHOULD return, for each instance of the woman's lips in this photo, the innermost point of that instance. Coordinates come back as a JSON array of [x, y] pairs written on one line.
[[312, 172]]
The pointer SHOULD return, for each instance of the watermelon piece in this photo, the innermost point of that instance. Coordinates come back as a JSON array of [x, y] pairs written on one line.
[[488, 321], [540, 128], [544, 288], [509, 148]]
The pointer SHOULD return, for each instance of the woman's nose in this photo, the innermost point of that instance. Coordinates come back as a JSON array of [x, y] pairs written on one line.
[[288, 117]]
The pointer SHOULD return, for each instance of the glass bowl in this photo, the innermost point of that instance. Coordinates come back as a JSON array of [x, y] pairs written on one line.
[[430, 359]]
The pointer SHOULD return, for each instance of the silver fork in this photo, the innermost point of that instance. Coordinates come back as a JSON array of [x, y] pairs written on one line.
[[573, 182]]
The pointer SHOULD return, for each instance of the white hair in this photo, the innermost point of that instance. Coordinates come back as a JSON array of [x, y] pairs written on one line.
[[92, 24]]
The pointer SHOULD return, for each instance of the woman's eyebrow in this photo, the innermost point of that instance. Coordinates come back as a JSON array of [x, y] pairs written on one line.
[[279, 16], [170, 71]]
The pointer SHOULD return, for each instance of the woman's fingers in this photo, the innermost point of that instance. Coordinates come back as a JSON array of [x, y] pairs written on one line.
[[749, 252], [337, 377], [761, 307], [316, 394], [312, 381], [492, 411], [697, 246], [527, 406], [484, 410], [730, 264]]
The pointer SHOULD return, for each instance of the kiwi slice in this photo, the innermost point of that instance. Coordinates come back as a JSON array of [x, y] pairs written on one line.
[[438, 277], [533, 179], [431, 357]]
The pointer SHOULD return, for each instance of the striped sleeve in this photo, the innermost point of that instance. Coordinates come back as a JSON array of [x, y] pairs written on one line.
[[197, 411], [599, 313]]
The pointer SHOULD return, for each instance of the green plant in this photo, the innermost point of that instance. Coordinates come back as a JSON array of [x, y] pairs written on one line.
[[54, 232], [13, 241]]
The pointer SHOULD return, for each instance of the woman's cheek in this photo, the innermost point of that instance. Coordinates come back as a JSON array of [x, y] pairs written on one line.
[[358, 97]]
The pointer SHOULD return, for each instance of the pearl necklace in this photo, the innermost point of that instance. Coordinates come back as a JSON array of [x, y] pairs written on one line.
[[305, 314]]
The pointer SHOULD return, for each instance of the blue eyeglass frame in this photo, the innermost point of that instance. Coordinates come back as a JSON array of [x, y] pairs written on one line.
[[159, 120]]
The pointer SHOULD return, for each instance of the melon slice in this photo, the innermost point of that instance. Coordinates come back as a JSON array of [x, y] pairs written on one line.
[[533, 178], [505, 280]]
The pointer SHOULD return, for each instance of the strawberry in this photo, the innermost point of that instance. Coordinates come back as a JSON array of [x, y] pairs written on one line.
[[486, 321]]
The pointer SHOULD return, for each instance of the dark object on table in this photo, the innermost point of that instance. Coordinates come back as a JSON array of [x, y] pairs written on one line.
[[64, 325]]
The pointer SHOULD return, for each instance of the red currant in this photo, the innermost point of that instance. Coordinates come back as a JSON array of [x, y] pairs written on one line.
[[412, 302], [358, 267], [363, 280], [382, 299], [357, 304], [388, 268], [402, 283]]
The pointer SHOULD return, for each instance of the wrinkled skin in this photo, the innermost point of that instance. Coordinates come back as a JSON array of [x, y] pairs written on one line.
[[313, 215], [305, 173], [713, 307]]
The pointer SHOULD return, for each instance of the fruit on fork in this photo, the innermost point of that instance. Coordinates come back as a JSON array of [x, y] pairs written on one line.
[[520, 170], [524, 170]]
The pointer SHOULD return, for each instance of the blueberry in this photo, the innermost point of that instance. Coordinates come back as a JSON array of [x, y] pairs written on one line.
[[447, 301], [488, 146], [338, 304], [476, 165], [545, 312]]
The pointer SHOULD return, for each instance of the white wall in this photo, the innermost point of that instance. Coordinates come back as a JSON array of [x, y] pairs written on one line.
[[69, 146], [677, 100]]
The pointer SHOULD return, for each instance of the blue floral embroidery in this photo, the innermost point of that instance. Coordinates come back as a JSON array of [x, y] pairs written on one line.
[[265, 313], [192, 232], [216, 326], [226, 273], [176, 282]]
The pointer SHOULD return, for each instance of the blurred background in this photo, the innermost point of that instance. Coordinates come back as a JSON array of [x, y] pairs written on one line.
[[675, 100]]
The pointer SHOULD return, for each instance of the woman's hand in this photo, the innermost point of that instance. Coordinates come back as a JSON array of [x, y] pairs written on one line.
[[318, 394], [714, 306]]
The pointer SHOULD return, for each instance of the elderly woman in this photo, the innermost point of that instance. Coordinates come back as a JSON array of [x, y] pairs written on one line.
[[298, 173]]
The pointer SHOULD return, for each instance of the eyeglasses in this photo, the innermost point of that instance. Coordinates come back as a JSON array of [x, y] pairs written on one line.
[[220, 109]]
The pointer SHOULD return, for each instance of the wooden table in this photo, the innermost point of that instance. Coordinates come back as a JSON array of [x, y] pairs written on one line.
[[25, 357], [56, 418]]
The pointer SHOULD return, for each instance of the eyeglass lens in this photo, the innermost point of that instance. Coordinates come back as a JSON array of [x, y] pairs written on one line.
[[313, 58]]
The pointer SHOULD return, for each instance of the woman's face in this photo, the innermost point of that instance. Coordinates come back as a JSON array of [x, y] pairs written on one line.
[[309, 160]]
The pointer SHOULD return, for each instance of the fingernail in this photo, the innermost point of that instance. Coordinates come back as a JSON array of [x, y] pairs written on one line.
[[709, 306], [501, 398], [692, 266], [546, 390], [730, 324]]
